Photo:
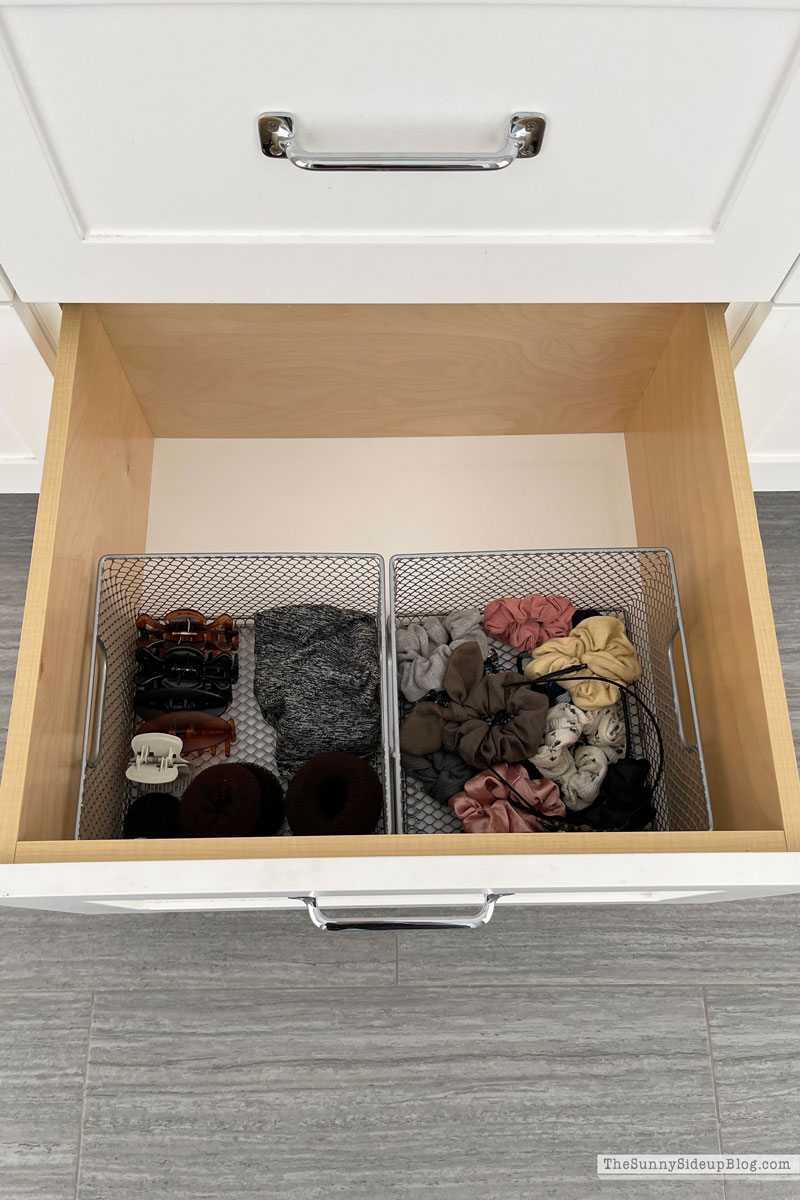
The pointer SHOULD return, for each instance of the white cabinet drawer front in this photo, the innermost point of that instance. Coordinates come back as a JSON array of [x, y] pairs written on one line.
[[668, 151], [375, 884]]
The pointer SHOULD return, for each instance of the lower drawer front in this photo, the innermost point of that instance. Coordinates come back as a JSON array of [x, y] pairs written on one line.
[[422, 888], [642, 445]]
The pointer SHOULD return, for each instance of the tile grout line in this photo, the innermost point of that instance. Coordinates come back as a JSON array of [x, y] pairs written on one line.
[[397, 960], [83, 1098], [48, 991], [713, 1067], [444, 985]]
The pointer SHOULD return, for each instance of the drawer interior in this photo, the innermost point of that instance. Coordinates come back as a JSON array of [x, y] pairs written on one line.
[[395, 429]]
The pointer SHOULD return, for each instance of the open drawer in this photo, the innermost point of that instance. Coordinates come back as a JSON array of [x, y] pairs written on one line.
[[350, 428]]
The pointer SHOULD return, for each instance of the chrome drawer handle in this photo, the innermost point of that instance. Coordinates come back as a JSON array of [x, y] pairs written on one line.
[[335, 924], [279, 140]]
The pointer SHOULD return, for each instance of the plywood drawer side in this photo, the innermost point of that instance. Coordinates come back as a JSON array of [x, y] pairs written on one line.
[[691, 490], [94, 498]]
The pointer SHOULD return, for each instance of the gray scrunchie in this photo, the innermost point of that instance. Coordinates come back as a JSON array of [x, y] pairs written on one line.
[[443, 773], [424, 647]]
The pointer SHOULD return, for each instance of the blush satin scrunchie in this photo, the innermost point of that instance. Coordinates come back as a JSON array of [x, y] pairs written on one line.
[[525, 622], [483, 806]]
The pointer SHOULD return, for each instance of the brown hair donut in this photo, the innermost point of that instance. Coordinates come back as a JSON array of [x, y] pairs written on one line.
[[222, 801], [334, 794]]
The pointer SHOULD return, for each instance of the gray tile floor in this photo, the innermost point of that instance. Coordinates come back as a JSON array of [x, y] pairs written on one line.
[[210, 1056]]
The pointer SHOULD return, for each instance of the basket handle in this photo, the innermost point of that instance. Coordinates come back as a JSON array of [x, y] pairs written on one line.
[[336, 924], [676, 697], [98, 704]]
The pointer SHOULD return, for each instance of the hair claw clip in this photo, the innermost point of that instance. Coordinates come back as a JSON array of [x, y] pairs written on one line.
[[198, 731], [188, 627], [156, 758]]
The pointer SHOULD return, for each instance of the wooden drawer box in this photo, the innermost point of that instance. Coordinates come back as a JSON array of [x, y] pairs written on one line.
[[167, 433]]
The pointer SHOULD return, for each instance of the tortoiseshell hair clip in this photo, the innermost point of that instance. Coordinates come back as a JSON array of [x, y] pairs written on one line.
[[198, 731], [189, 627]]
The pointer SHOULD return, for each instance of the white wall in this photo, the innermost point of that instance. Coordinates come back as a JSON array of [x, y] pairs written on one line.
[[768, 381], [27, 357]]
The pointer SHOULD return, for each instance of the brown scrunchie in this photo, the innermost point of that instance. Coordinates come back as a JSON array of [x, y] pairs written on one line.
[[223, 801], [489, 718]]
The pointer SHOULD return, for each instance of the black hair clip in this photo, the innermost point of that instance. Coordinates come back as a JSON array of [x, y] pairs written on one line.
[[183, 669], [491, 664], [498, 718], [155, 698]]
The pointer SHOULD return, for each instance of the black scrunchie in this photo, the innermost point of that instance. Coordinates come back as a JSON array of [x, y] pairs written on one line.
[[442, 773], [334, 794], [152, 815], [625, 800]]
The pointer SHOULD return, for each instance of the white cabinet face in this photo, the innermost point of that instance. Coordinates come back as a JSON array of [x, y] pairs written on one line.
[[133, 169], [375, 884]]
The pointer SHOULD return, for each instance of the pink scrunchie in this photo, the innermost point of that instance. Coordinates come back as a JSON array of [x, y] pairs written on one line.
[[483, 806], [525, 622]]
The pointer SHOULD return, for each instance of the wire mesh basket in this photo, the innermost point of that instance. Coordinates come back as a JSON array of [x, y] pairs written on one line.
[[240, 585], [636, 585]]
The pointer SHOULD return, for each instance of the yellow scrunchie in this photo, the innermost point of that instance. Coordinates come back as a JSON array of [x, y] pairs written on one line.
[[600, 645]]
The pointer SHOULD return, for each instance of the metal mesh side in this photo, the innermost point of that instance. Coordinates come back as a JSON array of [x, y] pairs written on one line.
[[241, 585], [636, 585]]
